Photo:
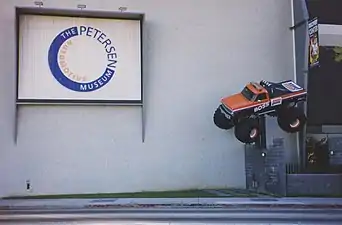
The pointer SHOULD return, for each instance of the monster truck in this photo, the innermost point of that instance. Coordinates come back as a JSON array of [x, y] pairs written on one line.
[[243, 110]]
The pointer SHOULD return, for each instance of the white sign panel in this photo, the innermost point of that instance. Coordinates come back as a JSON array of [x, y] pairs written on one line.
[[74, 58]]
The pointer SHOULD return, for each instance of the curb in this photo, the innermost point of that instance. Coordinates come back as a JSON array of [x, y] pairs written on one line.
[[298, 206], [176, 206]]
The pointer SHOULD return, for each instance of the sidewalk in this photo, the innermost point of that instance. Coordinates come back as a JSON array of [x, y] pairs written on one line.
[[35, 204]]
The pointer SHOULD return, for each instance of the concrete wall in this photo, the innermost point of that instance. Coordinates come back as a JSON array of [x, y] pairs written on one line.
[[335, 147], [195, 53], [314, 184], [265, 169]]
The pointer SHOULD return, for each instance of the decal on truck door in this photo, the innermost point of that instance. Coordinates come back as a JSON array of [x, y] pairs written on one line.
[[261, 107], [292, 86], [276, 101]]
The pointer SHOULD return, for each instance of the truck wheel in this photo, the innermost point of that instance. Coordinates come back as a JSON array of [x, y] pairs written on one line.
[[247, 131], [291, 120], [221, 121]]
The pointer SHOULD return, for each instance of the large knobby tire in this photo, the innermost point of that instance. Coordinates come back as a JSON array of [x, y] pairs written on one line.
[[247, 131], [291, 120], [221, 121]]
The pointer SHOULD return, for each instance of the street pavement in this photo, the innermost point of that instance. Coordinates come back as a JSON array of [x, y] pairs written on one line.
[[198, 216], [168, 202], [173, 211]]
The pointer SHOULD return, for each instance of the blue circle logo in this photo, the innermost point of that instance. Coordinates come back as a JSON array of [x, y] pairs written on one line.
[[58, 60]]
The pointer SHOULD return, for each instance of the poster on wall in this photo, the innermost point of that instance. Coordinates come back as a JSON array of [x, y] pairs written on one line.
[[313, 43], [79, 59]]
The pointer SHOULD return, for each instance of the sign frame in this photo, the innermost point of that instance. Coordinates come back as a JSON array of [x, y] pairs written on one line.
[[19, 11]]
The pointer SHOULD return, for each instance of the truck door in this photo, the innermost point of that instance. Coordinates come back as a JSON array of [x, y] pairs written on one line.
[[263, 101]]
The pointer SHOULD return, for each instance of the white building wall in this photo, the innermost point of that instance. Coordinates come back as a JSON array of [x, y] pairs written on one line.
[[195, 53]]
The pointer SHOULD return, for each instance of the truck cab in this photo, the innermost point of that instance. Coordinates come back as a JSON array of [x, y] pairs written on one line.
[[251, 95], [255, 92]]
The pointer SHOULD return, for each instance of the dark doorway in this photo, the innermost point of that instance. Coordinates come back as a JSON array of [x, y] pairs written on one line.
[[324, 103], [325, 89], [328, 11]]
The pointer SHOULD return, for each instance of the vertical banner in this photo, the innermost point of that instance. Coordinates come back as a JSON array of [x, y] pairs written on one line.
[[313, 43]]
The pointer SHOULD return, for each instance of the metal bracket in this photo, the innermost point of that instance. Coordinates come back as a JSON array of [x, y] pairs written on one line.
[[143, 123], [261, 143], [299, 24], [81, 6], [16, 122], [39, 3]]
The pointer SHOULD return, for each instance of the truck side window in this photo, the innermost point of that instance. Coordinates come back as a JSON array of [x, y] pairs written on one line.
[[261, 97]]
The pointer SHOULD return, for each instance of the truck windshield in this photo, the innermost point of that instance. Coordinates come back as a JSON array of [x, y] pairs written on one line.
[[248, 94]]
